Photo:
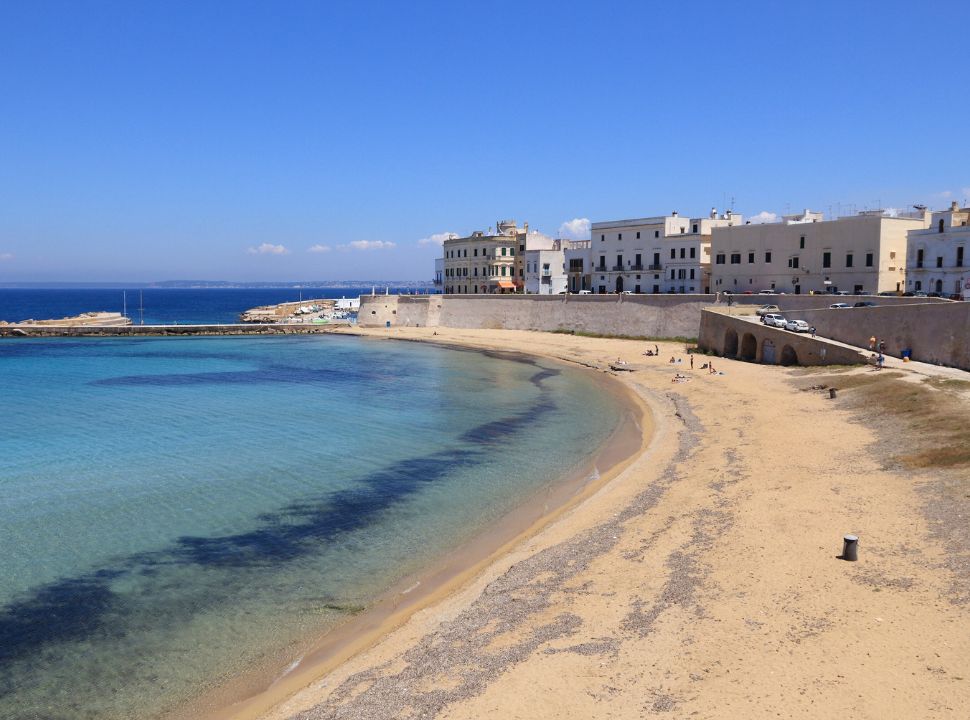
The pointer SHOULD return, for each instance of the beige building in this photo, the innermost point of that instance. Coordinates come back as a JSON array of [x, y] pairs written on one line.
[[936, 257], [485, 262], [864, 253], [663, 254]]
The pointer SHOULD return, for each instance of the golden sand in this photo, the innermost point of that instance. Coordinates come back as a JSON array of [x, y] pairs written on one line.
[[700, 581]]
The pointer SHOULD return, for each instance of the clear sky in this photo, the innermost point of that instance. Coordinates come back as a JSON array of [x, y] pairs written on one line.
[[223, 140]]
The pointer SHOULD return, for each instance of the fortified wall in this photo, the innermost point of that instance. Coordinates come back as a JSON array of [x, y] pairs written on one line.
[[642, 315]]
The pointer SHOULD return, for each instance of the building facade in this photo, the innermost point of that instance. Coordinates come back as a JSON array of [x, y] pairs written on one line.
[[663, 254], [545, 270], [864, 253], [485, 263], [936, 260]]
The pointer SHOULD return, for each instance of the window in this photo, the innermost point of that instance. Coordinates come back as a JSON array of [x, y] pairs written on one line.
[[695, 227], [768, 257], [868, 259], [719, 259], [656, 233], [673, 274], [735, 258], [939, 261], [960, 256], [682, 253], [919, 258], [941, 225], [692, 273], [512, 251], [602, 262], [693, 253], [750, 257], [801, 242], [503, 251], [638, 237], [619, 236], [793, 262], [848, 260], [826, 259], [602, 238], [673, 254]]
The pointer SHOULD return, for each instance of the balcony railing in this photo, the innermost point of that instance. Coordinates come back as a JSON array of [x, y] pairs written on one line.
[[636, 266], [601, 268], [655, 266], [618, 268]]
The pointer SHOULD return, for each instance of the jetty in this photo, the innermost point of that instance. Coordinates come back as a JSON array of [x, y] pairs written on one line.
[[169, 330], [88, 319]]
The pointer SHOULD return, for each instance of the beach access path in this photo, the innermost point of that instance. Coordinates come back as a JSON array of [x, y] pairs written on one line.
[[701, 581]]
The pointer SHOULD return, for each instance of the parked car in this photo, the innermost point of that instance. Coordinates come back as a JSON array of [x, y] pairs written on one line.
[[865, 303], [838, 306], [766, 292], [765, 309], [773, 320], [626, 292], [797, 326], [585, 292]]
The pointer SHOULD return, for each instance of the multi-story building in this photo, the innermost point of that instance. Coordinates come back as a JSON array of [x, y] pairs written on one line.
[[485, 262], [864, 253], [545, 270], [579, 264], [664, 254], [936, 259]]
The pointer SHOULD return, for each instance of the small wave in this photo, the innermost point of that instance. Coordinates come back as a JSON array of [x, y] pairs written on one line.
[[288, 669]]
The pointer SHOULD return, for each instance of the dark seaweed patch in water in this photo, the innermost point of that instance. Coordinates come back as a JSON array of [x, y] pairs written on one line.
[[268, 374], [85, 606]]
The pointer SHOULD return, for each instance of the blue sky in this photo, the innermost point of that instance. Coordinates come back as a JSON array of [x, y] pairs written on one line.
[[224, 140]]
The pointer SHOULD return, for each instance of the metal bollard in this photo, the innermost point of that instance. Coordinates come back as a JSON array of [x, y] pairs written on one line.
[[831, 393], [850, 548]]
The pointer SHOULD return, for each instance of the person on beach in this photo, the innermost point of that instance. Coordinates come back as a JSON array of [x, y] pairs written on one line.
[[672, 359], [872, 342], [692, 361], [879, 361], [882, 346], [656, 349], [813, 330], [711, 369]]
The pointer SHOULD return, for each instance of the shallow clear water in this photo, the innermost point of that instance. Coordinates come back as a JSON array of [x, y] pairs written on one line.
[[174, 511]]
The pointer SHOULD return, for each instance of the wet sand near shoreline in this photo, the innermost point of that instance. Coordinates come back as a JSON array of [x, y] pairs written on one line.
[[701, 581]]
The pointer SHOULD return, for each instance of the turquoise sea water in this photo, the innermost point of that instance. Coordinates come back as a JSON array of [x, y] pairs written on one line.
[[174, 511]]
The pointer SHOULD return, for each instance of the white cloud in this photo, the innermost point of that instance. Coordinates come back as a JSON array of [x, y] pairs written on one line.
[[367, 245], [437, 238], [268, 249], [319, 249], [575, 229], [763, 217], [4, 257]]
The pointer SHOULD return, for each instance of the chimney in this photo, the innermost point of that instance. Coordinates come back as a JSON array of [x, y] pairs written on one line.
[[954, 206], [713, 213]]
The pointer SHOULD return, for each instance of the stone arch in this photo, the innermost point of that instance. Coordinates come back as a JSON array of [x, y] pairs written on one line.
[[731, 343], [939, 286], [789, 356], [619, 284], [749, 347]]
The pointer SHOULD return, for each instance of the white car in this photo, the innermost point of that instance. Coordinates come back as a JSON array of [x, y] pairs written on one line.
[[774, 320], [585, 292], [797, 326], [838, 306], [765, 309]]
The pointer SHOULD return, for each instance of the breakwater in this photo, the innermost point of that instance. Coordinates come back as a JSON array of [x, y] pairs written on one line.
[[167, 330]]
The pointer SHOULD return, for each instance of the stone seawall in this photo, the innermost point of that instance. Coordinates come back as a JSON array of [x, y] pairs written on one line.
[[639, 315], [13, 331]]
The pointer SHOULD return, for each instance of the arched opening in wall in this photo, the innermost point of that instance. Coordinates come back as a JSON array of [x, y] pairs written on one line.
[[768, 351], [749, 347], [731, 344], [939, 286], [789, 356], [619, 284]]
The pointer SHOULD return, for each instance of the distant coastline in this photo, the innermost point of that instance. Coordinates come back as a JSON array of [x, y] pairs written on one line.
[[220, 284]]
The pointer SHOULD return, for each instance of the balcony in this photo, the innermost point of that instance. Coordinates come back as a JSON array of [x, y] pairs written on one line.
[[655, 266], [618, 268], [637, 267], [601, 268]]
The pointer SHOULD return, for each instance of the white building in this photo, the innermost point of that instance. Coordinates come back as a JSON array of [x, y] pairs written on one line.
[[936, 259], [663, 254], [545, 270], [439, 272], [864, 253]]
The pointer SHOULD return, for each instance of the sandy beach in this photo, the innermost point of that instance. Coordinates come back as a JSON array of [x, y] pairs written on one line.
[[703, 579]]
